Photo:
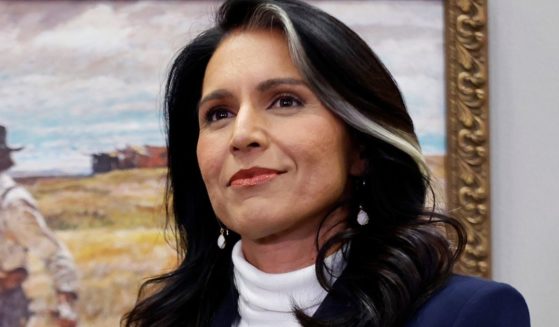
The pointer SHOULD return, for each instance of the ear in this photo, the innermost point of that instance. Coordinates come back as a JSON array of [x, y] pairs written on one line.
[[357, 163]]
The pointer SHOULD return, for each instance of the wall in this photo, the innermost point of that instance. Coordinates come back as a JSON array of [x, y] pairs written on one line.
[[524, 91]]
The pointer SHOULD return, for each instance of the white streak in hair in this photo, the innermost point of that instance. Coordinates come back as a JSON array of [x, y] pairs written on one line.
[[351, 115]]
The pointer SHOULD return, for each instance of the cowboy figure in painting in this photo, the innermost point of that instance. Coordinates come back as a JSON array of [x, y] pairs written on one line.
[[23, 228]]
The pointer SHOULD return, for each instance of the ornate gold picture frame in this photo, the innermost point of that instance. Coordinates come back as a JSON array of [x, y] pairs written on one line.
[[467, 166]]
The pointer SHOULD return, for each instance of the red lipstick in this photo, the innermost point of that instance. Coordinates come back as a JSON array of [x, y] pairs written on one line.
[[253, 176]]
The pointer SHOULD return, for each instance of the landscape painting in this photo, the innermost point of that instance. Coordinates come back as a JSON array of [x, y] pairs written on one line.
[[81, 88]]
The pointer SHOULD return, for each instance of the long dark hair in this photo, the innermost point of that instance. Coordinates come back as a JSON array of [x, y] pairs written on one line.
[[393, 264]]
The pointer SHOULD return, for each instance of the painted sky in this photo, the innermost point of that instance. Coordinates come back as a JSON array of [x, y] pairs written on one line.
[[83, 77]]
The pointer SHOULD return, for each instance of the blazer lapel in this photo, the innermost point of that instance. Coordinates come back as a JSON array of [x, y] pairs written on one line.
[[337, 303]]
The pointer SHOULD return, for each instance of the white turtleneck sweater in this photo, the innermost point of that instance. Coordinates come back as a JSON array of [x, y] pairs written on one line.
[[268, 299]]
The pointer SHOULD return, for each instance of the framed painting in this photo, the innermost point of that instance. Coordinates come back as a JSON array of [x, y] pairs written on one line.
[[81, 89]]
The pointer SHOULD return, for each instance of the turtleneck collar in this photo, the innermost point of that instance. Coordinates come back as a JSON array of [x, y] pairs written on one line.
[[268, 299]]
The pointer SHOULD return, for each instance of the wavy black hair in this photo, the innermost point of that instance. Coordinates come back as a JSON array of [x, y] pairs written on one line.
[[393, 264]]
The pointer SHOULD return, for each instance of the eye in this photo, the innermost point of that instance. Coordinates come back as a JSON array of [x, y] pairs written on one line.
[[216, 114], [286, 101]]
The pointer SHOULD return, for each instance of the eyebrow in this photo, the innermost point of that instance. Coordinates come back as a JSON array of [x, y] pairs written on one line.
[[271, 83], [215, 95], [261, 87]]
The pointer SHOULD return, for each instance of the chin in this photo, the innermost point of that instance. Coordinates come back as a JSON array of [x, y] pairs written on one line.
[[256, 227], [254, 230]]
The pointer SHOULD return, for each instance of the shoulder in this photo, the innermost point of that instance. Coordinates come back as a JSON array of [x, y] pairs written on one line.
[[469, 301], [15, 195]]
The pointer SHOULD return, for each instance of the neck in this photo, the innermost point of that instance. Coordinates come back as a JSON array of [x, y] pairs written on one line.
[[295, 248]]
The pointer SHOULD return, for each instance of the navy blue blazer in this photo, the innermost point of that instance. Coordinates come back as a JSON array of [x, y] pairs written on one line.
[[461, 302], [473, 302]]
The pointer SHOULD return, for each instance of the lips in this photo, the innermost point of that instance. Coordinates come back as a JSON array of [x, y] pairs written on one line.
[[253, 176]]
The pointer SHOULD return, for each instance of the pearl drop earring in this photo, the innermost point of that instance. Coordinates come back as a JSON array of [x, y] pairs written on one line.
[[221, 241], [362, 217]]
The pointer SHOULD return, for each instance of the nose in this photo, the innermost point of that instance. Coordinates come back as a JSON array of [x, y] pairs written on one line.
[[249, 132]]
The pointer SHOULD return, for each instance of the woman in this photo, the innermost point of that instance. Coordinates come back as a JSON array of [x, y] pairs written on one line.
[[290, 144]]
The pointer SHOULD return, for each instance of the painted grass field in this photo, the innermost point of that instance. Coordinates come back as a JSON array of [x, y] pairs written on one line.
[[119, 199], [112, 264], [113, 225]]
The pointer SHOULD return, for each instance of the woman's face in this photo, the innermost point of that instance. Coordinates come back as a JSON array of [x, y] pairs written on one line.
[[274, 160]]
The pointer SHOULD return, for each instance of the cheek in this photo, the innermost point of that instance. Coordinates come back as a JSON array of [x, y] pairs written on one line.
[[323, 158], [210, 160], [328, 145], [327, 170]]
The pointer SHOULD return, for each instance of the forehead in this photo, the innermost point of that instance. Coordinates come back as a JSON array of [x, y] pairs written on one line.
[[246, 55]]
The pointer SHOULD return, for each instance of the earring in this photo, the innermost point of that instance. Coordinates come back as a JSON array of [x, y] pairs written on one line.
[[221, 241], [362, 217]]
